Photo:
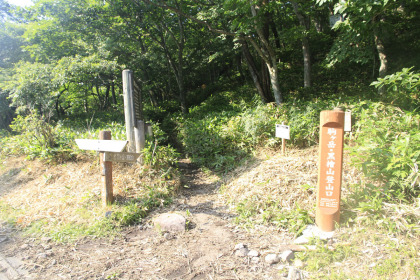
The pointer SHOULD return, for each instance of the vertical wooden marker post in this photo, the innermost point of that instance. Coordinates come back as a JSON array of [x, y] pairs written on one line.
[[106, 173], [283, 144], [127, 77], [140, 136], [330, 169]]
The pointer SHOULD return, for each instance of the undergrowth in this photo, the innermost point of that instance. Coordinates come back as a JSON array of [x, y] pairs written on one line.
[[146, 187]]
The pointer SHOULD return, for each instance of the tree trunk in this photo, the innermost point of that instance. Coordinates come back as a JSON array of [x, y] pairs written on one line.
[[258, 79], [268, 54], [114, 97], [305, 23], [383, 68], [181, 86], [153, 98], [274, 79], [106, 102], [307, 81], [177, 67], [383, 60]]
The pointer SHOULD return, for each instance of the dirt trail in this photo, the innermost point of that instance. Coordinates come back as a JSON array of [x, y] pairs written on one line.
[[204, 251]]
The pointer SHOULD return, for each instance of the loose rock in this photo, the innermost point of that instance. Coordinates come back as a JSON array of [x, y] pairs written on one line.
[[272, 258], [168, 236], [294, 274], [253, 253], [287, 256], [312, 231], [239, 246], [170, 222], [243, 252]]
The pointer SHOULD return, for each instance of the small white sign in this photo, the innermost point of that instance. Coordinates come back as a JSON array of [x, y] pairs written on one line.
[[347, 121], [283, 131], [101, 145]]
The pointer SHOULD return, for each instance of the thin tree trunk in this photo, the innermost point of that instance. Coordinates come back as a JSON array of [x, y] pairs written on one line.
[[383, 60], [106, 103], [304, 22], [258, 82], [383, 68], [265, 80], [307, 68], [114, 97], [267, 53], [181, 86], [274, 79]]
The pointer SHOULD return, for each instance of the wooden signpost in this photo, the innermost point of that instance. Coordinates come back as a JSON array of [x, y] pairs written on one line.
[[109, 151], [330, 169]]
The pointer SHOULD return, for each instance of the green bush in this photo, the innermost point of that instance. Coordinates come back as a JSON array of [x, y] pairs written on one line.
[[387, 142], [402, 88], [220, 136], [35, 138]]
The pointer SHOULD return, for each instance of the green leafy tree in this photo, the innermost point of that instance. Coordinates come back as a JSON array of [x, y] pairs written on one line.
[[246, 21], [369, 26]]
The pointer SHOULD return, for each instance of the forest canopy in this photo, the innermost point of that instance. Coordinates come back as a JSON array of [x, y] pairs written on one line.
[[61, 58]]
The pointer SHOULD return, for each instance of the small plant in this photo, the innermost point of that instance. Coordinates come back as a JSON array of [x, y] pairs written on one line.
[[269, 212]]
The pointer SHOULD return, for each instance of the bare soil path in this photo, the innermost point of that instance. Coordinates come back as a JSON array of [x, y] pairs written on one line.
[[204, 251]]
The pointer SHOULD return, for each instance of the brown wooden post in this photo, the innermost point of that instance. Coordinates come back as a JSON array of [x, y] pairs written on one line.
[[283, 144], [330, 169], [106, 173]]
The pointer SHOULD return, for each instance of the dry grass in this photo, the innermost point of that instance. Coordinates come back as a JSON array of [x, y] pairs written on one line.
[[69, 193], [290, 180], [365, 246]]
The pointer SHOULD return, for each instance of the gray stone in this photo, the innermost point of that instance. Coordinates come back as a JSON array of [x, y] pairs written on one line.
[[170, 222], [42, 256], [243, 252], [294, 274], [168, 236], [272, 258], [287, 256], [253, 253], [301, 240], [239, 246]]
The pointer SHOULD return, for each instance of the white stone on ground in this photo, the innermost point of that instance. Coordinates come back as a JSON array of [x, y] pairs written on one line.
[[287, 256], [170, 222], [272, 258], [312, 231]]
